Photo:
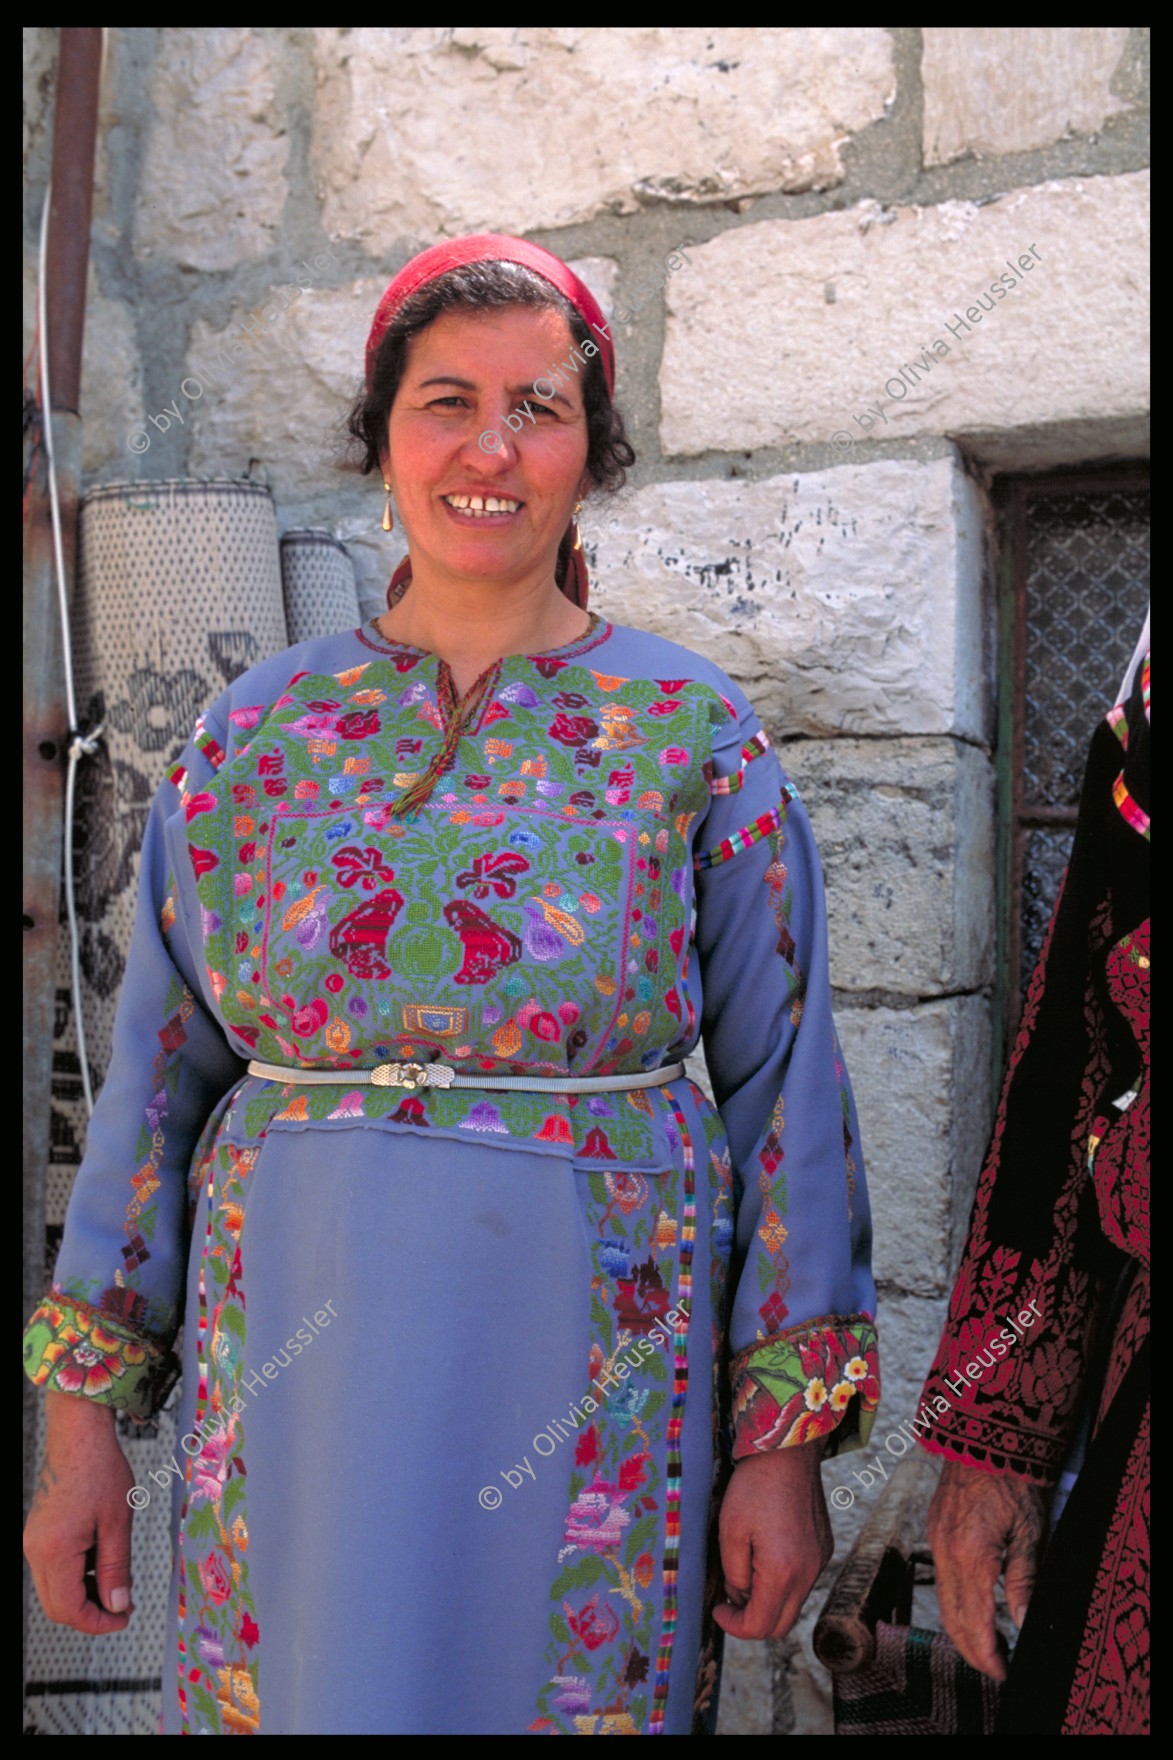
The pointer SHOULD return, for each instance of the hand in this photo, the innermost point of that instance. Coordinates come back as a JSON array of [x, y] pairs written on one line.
[[979, 1523], [80, 1518], [775, 1540]]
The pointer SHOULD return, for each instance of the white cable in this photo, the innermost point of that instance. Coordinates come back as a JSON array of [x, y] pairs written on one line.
[[79, 745]]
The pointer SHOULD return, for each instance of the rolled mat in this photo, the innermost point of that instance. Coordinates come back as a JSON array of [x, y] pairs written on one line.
[[318, 577], [178, 593]]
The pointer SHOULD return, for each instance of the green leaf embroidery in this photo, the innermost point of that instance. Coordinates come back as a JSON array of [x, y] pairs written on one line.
[[201, 1523], [582, 1575]]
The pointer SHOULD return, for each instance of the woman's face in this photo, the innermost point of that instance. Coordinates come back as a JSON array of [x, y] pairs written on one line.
[[464, 375]]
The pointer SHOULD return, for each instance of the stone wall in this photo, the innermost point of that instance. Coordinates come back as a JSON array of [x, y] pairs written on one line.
[[913, 258]]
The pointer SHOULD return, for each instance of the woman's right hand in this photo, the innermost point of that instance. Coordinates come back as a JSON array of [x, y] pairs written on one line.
[[80, 1520], [982, 1526]]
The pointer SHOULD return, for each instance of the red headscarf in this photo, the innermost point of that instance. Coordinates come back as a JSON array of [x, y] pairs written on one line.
[[496, 247]]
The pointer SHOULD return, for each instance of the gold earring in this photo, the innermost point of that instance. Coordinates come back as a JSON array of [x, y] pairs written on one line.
[[388, 520], [577, 534]]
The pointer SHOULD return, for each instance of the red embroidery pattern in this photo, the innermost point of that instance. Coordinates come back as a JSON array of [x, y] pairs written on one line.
[[1110, 1693], [1021, 1412]]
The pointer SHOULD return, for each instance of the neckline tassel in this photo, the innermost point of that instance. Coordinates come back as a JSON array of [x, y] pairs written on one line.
[[460, 714]]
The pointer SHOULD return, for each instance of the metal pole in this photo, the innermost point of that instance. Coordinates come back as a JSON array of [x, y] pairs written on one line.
[[46, 735]]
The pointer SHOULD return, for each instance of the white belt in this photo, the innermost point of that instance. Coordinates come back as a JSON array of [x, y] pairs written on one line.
[[442, 1075]]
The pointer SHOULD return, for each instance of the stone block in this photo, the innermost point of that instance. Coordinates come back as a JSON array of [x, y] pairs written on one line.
[[111, 385], [837, 329], [600, 275], [921, 1078], [807, 1683], [29, 303], [40, 79], [905, 830], [422, 133], [842, 601], [214, 151], [747, 1690], [994, 89], [375, 553], [317, 340]]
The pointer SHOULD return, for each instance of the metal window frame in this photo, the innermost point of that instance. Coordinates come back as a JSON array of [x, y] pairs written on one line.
[[1017, 817]]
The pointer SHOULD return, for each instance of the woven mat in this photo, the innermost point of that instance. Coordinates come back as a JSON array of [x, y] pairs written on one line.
[[179, 590]]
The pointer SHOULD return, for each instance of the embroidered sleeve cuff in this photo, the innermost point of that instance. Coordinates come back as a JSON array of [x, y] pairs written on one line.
[[74, 1349], [818, 1379], [995, 1444]]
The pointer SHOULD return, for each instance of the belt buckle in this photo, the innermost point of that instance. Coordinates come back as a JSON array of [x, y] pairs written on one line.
[[412, 1075]]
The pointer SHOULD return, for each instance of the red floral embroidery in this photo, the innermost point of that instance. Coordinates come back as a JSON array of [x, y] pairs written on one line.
[[359, 724], [572, 730], [592, 1625], [362, 867], [216, 1578], [493, 873]]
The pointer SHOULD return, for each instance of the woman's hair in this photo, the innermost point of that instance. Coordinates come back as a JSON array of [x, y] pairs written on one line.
[[479, 287]]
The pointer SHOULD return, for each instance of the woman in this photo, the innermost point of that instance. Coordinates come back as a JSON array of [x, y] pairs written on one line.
[[465, 886], [1060, 1240]]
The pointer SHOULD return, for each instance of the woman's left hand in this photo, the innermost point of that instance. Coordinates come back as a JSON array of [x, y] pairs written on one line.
[[775, 1540]]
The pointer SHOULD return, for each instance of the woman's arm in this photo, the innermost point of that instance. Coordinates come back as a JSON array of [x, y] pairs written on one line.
[[105, 1331], [101, 1340], [801, 1334]]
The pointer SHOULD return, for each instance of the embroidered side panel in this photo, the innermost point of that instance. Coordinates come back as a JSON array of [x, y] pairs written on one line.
[[611, 1648]]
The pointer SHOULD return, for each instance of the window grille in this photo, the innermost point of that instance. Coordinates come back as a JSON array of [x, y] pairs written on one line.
[[1074, 589]]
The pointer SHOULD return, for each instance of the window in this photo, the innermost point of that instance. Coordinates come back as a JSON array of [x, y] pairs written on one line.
[[1073, 592]]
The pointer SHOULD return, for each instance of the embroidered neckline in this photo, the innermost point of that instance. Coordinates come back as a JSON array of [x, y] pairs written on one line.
[[465, 715], [460, 715]]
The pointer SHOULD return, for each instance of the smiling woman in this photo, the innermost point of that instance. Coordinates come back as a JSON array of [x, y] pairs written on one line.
[[466, 886], [484, 528], [464, 298]]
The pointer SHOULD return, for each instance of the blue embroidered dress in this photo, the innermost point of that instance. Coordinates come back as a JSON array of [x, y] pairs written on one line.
[[455, 1362]]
